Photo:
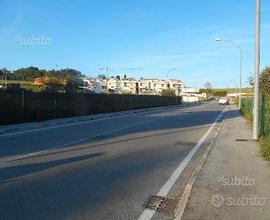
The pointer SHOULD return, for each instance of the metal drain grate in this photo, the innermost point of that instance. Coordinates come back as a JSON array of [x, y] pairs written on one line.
[[168, 206], [241, 139], [161, 204], [153, 202]]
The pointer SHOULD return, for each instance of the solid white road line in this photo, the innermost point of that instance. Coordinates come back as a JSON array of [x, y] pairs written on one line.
[[148, 213]]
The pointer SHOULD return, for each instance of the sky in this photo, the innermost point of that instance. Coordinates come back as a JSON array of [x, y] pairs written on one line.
[[140, 38]]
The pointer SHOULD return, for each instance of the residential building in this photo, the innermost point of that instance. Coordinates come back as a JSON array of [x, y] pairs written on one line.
[[128, 85], [177, 85], [145, 87], [114, 85], [188, 91]]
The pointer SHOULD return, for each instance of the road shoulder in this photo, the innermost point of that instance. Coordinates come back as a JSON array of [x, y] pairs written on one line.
[[234, 181]]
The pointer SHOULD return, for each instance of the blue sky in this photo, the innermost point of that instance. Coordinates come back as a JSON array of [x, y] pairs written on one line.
[[151, 35]]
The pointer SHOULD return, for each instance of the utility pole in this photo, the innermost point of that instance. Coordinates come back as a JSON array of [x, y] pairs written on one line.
[[6, 80], [257, 72], [241, 65]]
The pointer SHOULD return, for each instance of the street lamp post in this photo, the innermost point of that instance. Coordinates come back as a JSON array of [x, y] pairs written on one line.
[[171, 70], [241, 65], [255, 134]]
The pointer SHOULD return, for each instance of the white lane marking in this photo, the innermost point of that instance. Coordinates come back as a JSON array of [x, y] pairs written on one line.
[[22, 156], [186, 193], [148, 213], [86, 122]]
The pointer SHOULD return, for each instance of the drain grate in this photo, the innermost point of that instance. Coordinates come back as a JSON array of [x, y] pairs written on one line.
[[168, 206], [241, 139], [153, 202], [161, 204]]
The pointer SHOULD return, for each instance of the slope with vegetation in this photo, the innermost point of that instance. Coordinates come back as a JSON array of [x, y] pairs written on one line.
[[264, 111], [24, 78]]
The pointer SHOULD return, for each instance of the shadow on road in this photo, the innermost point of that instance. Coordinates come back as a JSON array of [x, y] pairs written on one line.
[[21, 170], [162, 123]]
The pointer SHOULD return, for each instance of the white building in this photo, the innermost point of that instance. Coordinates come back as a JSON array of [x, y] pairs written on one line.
[[114, 85], [151, 86], [128, 85], [187, 91], [177, 85]]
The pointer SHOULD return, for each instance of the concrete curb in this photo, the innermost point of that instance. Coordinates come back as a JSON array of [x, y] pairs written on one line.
[[186, 193], [16, 128]]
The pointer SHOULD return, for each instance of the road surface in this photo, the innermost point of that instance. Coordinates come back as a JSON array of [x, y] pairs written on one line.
[[103, 169]]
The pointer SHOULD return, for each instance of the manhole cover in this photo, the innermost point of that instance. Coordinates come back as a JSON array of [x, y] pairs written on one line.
[[241, 139], [161, 204]]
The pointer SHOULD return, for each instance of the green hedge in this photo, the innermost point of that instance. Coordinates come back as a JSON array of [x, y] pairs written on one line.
[[18, 107], [264, 112], [264, 121]]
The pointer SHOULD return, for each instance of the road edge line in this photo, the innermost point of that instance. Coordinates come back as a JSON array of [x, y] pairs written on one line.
[[187, 191], [147, 214]]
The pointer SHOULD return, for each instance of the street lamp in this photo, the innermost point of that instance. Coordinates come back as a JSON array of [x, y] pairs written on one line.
[[171, 70], [241, 64]]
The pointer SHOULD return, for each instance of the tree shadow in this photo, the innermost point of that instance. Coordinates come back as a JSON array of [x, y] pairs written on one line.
[[163, 123], [8, 173]]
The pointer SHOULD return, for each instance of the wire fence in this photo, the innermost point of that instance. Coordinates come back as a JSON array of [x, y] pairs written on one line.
[[23, 106], [264, 113]]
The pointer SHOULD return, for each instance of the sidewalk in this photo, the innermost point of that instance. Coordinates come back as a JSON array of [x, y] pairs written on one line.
[[234, 182]]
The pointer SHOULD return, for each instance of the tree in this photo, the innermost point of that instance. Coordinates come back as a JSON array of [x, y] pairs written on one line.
[[54, 87], [208, 88], [27, 74], [265, 81], [220, 93], [102, 76], [72, 87], [168, 92]]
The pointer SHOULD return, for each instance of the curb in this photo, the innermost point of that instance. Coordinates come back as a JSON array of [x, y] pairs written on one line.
[[63, 122], [186, 193]]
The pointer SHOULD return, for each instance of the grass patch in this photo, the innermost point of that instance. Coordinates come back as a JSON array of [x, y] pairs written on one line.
[[265, 144], [20, 82]]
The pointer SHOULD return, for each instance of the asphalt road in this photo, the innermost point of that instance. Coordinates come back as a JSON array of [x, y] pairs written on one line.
[[102, 169]]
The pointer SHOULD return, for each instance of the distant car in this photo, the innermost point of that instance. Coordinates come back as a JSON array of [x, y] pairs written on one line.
[[223, 101]]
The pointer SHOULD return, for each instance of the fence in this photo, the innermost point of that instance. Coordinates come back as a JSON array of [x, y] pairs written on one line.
[[23, 106], [264, 112]]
